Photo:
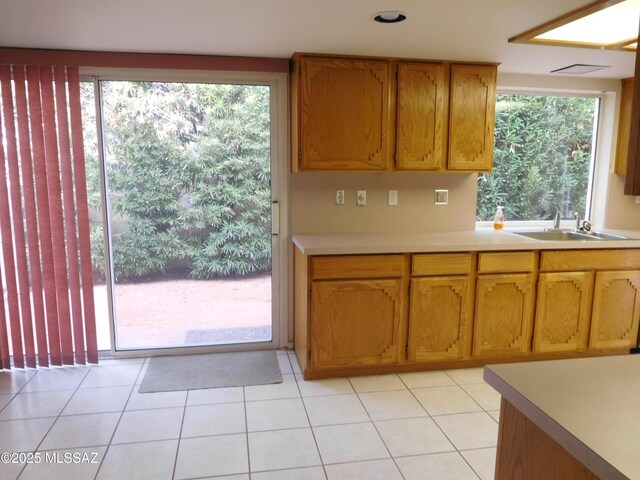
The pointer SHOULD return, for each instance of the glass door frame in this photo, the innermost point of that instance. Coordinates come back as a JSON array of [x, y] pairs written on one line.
[[280, 248]]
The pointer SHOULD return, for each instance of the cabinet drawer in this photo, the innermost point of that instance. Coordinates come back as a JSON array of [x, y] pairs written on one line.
[[441, 264], [567, 260], [357, 266], [506, 262]]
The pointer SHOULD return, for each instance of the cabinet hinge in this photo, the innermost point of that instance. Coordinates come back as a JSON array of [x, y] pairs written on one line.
[[531, 345], [309, 355], [310, 294], [300, 155]]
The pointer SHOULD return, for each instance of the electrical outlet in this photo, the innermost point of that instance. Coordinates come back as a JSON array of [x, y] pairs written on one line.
[[442, 197], [339, 197], [638, 200], [361, 198], [393, 197]]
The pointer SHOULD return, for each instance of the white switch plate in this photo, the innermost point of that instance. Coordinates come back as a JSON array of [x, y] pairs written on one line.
[[393, 197], [442, 197], [637, 199], [339, 197], [361, 198]]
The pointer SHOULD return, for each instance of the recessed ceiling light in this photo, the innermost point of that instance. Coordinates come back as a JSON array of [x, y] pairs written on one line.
[[580, 69], [389, 17]]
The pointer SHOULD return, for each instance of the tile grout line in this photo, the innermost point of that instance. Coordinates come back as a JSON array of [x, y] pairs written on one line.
[[313, 433], [56, 417], [438, 425], [376, 427], [184, 414], [246, 429], [117, 425]]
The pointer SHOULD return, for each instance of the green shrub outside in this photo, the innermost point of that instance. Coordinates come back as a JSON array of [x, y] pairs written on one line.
[[541, 159], [188, 168]]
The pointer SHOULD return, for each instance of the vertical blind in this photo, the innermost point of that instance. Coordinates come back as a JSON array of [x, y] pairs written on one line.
[[48, 304]]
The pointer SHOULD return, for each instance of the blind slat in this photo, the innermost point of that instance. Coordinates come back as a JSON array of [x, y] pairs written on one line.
[[44, 221], [69, 209], [17, 217], [55, 213], [5, 359], [6, 232], [82, 203], [33, 243]]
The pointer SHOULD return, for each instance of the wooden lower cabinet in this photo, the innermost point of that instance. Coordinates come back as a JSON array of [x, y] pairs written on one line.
[[358, 314], [504, 312], [356, 322], [616, 309], [440, 319], [563, 310]]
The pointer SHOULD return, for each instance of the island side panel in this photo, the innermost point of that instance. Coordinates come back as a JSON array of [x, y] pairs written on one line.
[[525, 451], [300, 307]]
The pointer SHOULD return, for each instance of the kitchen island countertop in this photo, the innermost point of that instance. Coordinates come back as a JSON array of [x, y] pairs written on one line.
[[589, 406]]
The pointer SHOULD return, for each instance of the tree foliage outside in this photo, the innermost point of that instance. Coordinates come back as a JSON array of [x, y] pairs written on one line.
[[188, 176], [542, 157]]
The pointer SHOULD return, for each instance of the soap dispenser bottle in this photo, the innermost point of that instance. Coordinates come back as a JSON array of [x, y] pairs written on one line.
[[498, 219]]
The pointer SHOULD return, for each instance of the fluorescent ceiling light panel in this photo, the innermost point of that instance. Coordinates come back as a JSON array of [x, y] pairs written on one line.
[[612, 25], [603, 24], [580, 69]]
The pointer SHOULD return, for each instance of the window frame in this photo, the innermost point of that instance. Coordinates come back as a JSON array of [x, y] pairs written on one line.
[[282, 320], [594, 186]]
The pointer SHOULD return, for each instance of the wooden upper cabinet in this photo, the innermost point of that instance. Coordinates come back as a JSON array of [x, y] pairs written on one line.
[[420, 121], [624, 126], [345, 114], [472, 117], [385, 114]]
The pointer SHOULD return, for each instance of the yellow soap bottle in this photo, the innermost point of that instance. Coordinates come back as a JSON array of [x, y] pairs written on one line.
[[498, 219]]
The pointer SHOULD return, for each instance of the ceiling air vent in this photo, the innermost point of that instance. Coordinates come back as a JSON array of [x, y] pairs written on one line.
[[580, 69]]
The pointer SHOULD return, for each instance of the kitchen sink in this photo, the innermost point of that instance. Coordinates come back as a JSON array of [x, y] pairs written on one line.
[[553, 235]]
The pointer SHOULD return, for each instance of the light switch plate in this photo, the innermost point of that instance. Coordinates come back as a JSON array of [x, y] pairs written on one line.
[[442, 197], [638, 199], [393, 197], [361, 198], [339, 197]]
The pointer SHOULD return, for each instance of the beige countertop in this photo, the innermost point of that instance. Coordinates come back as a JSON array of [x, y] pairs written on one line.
[[590, 406], [482, 239]]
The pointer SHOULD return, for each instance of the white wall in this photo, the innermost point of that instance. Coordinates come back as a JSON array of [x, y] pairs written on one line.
[[313, 208]]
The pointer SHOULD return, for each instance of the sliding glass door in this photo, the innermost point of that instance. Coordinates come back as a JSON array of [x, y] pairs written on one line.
[[187, 170]]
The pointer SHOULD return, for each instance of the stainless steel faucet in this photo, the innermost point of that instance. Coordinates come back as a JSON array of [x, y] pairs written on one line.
[[556, 220]]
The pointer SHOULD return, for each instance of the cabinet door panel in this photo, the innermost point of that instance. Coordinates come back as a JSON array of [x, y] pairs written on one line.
[[356, 322], [616, 310], [472, 117], [562, 318], [439, 319], [420, 118], [345, 118], [504, 309]]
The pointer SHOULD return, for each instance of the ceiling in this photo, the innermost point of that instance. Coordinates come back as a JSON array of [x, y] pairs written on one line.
[[469, 30]]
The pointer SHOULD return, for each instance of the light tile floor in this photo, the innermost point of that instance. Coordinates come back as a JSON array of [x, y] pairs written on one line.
[[435, 425]]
